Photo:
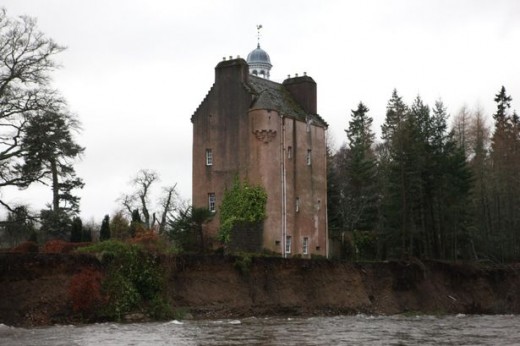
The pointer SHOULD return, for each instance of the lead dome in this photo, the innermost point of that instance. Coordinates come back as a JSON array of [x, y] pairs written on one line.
[[259, 63]]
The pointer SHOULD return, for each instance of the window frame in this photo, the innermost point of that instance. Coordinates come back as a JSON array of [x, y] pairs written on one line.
[[305, 245], [209, 157], [288, 244], [212, 202]]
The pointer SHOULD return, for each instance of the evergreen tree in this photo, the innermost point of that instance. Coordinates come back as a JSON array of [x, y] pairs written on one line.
[[361, 194], [136, 224], [396, 191], [505, 161], [18, 226], [335, 224], [55, 224], [186, 228], [119, 226], [50, 151], [104, 233], [76, 233]]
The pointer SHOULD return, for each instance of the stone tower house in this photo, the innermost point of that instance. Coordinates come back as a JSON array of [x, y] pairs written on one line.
[[267, 134]]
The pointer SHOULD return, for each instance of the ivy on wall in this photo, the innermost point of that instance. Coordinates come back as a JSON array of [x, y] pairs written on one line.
[[242, 204]]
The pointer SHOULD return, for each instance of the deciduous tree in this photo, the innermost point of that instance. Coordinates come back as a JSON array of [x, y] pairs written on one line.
[[26, 61]]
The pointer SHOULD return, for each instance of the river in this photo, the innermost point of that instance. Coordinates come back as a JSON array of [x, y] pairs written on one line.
[[339, 330]]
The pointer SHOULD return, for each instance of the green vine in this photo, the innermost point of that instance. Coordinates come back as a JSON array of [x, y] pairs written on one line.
[[134, 280], [242, 204]]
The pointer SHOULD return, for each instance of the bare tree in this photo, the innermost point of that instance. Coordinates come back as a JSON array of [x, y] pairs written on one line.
[[169, 204], [140, 199], [26, 59]]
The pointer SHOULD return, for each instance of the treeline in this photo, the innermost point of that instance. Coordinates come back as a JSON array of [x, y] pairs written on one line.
[[427, 190]]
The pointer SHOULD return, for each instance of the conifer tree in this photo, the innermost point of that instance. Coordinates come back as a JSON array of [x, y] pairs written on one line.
[[76, 232], [50, 151], [360, 195], [396, 204], [505, 193], [104, 232]]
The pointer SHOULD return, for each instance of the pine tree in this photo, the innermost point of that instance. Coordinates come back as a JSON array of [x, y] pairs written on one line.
[[50, 150], [76, 232], [396, 207], [335, 223], [104, 232], [136, 224], [361, 194], [505, 161]]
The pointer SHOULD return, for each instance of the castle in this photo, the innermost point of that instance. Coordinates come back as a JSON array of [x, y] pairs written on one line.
[[267, 134]]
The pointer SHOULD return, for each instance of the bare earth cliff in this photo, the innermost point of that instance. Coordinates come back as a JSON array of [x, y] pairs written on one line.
[[34, 287]]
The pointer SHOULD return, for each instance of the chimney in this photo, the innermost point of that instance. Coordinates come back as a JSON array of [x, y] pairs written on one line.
[[303, 90], [232, 70]]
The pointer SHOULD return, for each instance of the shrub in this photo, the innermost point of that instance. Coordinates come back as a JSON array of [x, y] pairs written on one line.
[[61, 246], [25, 247], [133, 277], [147, 239], [122, 296], [365, 243], [85, 291], [243, 263]]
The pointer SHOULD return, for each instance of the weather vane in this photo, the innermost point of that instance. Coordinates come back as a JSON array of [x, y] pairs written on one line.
[[258, 27]]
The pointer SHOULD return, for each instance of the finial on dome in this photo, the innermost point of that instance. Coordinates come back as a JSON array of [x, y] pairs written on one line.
[[258, 27]]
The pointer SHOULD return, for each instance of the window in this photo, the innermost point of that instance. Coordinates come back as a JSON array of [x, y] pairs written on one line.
[[211, 201], [288, 240], [305, 245], [308, 122], [309, 155], [209, 157], [289, 152], [297, 204]]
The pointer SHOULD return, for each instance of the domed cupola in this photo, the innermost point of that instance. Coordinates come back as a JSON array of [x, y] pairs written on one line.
[[259, 61]]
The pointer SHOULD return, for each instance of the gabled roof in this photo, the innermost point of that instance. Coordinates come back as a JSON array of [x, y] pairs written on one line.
[[274, 96]]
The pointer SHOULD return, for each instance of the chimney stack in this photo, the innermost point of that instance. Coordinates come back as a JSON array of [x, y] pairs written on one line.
[[303, 90]]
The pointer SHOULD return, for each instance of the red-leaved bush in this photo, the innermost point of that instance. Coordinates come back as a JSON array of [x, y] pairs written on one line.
[[149, 239], [61, 246], [85, 291], [25, 247]]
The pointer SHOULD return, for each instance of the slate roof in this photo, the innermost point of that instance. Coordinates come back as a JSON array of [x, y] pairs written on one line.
[[274, 96]]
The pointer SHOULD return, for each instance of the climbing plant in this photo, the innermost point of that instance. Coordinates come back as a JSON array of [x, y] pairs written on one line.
[[242, 204]]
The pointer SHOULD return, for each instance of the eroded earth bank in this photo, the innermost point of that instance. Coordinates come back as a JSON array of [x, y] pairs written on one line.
[[34, 287]]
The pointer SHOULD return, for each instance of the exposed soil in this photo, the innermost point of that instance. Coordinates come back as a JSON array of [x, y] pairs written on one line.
[[34, 287]]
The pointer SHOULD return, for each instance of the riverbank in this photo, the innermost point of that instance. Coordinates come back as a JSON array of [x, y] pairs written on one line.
[[35, 287]]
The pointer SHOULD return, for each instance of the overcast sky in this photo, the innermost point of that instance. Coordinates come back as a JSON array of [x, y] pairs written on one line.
[[135, 71]]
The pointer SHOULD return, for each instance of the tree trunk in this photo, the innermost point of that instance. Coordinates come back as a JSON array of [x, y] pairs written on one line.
[[55, 186]]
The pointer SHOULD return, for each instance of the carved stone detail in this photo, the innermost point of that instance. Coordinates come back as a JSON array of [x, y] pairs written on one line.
[[265, 135]]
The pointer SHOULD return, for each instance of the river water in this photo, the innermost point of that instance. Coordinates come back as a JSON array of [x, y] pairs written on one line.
[[339, 330]]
